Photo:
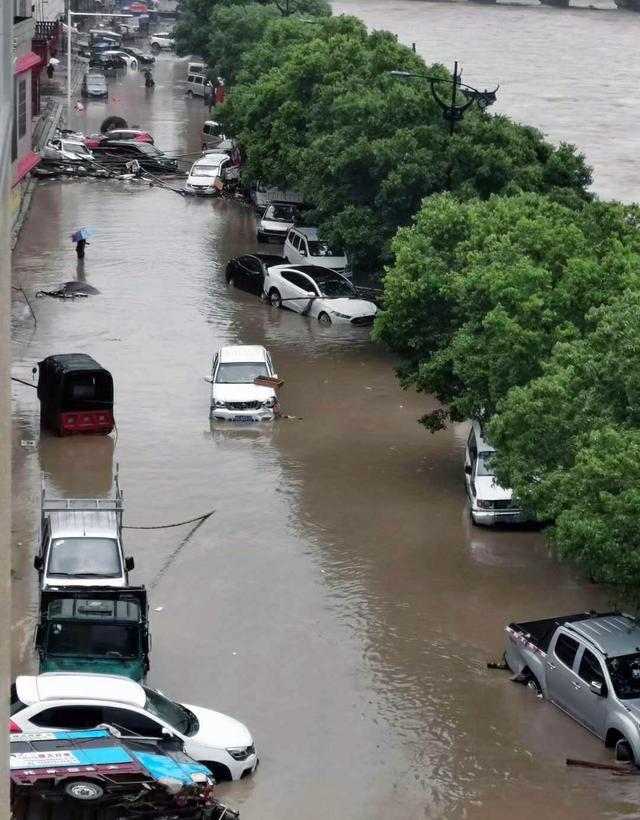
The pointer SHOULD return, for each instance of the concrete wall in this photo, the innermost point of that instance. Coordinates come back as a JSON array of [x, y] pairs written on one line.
[[6, 97]]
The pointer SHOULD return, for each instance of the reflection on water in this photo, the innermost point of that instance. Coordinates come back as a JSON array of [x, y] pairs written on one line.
[[338, 600]]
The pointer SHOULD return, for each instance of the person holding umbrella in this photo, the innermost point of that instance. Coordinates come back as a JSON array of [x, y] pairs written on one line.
[[80, 238]]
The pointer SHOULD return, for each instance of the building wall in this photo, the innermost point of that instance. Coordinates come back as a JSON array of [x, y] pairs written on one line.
[[6, 97]]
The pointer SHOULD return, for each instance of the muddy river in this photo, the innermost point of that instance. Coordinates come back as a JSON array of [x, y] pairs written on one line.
[[338, 601]]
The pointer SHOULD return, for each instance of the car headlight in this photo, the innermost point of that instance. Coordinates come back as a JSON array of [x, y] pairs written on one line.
[[218, 403], [241, 752], [171, 784], [201, 777], [270, 402], [340, 315], [485, 505]]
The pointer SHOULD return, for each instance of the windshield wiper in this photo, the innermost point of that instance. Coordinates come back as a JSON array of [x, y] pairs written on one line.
[[92, 575]]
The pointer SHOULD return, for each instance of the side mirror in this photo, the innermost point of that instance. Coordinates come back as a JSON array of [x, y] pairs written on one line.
[[275, 375], [37, 562], [467, 469], [303, 252], [208, 379], [167, 732], [597, 688], [129, 563]]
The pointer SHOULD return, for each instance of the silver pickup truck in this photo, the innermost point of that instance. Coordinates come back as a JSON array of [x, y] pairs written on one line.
[[589, 666]]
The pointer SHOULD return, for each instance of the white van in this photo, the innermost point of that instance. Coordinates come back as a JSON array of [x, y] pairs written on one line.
[[263, 194], [196, 85], [490, 503], [304, 246], [196, 68]]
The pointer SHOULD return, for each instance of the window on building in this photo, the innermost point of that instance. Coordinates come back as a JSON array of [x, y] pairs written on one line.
[[21, 111]]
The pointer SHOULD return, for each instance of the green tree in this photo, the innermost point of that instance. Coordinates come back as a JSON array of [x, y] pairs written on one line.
[[482, 291]]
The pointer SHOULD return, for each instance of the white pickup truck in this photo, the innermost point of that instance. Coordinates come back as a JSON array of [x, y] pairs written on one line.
[[589, 666]]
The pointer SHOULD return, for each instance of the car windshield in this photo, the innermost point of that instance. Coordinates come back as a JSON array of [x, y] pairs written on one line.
[[240, 372], [336, 288], [205, 170], [84, 557], [75, 147], [147, 148], [625, 675], [281, 213], [321, 248], [173, 713], [484, 463], [93, 640]]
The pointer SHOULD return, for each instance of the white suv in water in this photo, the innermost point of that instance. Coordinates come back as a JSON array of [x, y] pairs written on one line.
[[490, 503], [234, 394]]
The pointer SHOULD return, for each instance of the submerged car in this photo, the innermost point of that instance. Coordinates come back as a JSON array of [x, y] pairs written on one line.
[[149, 157], [490, 503], [319, 292], [67, 150], [304, 246], [248, 272], [94, 84], [235, 396], [210, 174], [143, 57], [119, 134], [276, 221], [82, 701]]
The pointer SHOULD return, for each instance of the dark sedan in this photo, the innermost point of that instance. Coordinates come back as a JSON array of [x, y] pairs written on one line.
[[143, 57], [147, 155], [247, 272]]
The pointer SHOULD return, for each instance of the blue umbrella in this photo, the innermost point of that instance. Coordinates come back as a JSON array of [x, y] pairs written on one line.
[[82, 233]]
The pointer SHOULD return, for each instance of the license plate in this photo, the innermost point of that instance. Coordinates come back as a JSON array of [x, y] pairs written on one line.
[[243, 418]]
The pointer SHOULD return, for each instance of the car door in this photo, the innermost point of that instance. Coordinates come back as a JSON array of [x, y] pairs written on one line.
[[67, 716], [590, 707], [293, 291], [561, 679], [254, 276]]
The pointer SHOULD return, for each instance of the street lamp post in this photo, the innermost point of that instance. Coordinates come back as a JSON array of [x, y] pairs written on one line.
[[71, 14], [453, 111]]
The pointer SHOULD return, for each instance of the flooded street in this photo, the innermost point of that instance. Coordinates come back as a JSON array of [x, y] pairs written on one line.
[[338, 602]]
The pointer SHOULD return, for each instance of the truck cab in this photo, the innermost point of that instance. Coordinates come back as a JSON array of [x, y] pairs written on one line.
[[103, 630], [81, 542]]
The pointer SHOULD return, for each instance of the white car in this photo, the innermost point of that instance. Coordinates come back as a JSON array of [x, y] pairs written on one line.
[[276, 221], [161, 39], [490, 503], [129, 59], [79, 701], [68, 150], [207, 170], [234, 395], [316, 291], [303, 246]]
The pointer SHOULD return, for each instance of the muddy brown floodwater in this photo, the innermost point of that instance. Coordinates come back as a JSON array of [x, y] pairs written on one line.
[[338, 601]]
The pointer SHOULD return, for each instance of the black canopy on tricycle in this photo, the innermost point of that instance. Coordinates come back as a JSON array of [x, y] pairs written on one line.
[[76, 395]]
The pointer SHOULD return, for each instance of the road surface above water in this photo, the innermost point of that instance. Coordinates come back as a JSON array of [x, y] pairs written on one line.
[[338, 601]]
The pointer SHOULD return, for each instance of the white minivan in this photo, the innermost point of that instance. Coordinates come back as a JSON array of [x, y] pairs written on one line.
[[303, 246], [197, 85], [489, 502], [235, 396]]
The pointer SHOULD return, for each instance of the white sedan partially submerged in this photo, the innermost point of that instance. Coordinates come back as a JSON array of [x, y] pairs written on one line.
[[235, 396], [319, 292], [67, 150]]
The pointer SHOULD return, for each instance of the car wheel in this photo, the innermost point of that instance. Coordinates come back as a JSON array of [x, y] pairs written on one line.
[[533, 685], [624, 752], [204, 146], [189, 93], [231, 281], [324, 318], [155, 48], [260, 237], [85, 790], [275, 298], [134, 64]]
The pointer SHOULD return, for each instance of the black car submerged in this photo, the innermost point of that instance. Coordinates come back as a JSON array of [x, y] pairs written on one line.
[[149, 157], [247, 272]]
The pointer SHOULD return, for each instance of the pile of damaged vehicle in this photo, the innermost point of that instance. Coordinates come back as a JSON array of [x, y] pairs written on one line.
[[119, 777]]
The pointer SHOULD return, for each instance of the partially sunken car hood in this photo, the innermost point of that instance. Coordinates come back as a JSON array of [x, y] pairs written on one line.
[[242, 392], [488, 490], [352, 307], [219, 731]]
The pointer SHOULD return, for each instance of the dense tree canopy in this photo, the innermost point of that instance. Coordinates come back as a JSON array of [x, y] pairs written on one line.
[[314, 109]]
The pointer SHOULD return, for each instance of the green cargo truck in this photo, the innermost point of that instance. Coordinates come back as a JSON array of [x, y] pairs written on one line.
[[94, 629]]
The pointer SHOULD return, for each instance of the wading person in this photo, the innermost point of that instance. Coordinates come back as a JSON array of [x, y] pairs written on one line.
[[80, 247]]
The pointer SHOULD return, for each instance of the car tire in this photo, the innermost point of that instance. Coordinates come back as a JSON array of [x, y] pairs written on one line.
[[624, 752], [275, 298], [85, 791], [231, 281], [533, 684], [134, 64], [324, 318], [260, 237], [204, 146], [155, 48], [189, 93]]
